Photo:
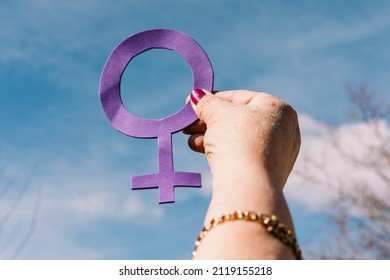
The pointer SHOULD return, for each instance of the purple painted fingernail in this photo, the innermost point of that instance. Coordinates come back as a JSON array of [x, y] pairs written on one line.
[[196, 95]]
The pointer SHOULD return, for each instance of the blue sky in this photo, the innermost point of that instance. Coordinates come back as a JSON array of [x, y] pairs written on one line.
[[55, 139]]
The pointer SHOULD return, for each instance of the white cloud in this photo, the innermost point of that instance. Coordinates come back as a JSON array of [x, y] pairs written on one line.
[[102, 204], [332, 161], [134, 206], [92, 205]]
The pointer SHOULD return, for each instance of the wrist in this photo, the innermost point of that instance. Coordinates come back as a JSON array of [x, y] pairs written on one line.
[[243, 175], [247, 187]]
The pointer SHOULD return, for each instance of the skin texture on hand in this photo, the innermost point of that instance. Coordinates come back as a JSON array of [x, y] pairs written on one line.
[[247, 127], [251, 141]]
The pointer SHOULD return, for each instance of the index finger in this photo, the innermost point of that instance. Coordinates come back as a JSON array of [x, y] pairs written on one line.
[[241, 96]]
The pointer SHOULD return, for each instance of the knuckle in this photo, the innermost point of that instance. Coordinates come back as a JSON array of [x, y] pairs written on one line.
[[287, 110]]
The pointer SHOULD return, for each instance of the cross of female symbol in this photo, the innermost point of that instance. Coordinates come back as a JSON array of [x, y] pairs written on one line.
[[162, 129]]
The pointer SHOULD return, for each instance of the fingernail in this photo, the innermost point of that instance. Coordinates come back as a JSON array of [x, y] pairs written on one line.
[[196, 95]]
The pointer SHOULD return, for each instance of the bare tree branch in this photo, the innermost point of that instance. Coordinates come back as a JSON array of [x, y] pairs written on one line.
[[10, 215], [361, 215], [31, 229]]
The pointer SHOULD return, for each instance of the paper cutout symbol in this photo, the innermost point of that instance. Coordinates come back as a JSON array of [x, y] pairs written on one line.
[[162, 129]]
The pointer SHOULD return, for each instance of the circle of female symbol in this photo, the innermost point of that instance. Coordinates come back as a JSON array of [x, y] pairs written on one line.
[[162, 129]]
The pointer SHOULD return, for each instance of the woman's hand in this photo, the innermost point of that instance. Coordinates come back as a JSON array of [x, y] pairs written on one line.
[[251, 141], [244, 128]]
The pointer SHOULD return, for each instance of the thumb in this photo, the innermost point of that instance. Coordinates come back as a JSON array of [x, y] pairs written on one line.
[[208, 106]]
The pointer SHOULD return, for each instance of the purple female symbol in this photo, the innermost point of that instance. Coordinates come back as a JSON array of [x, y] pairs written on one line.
[[166, 179]]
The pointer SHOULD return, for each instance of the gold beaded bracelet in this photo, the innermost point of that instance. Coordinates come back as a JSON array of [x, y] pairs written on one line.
[[270, 223]]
